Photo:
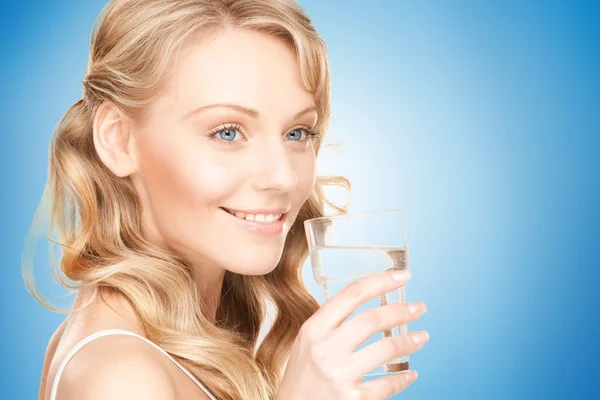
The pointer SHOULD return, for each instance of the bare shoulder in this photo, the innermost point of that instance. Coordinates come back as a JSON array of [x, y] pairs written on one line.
[[48, 356], [116, 367]]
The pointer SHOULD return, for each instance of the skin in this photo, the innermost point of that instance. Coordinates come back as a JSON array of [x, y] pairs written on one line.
[[184, 178]]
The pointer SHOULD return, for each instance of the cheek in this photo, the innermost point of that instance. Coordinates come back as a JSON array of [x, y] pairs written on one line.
[[184, 185], [307, 176]]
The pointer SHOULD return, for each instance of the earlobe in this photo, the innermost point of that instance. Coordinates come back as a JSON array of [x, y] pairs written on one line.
[[112, 141]]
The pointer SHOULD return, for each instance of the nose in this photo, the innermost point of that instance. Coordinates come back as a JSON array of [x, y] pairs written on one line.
[[275, 169]]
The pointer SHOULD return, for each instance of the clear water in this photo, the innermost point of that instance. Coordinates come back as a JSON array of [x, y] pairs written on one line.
[[335, 267]]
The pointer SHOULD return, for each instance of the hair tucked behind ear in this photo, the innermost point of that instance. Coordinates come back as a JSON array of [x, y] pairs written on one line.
[[96, 217]]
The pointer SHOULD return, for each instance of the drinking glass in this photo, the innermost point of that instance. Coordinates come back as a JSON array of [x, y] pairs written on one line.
[[347, 247]]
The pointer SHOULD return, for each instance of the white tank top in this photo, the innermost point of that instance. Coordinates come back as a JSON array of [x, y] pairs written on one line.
[[106, 332]]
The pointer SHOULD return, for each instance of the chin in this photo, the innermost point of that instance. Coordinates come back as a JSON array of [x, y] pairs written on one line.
[[255, 265]]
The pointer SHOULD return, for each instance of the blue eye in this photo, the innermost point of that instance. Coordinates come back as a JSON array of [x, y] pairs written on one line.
[[296, 133], [229, 134]]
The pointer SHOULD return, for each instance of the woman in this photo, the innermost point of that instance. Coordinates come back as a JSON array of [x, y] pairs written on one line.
[[178, 186]]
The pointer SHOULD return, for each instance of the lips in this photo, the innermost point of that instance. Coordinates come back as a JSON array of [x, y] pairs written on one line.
[[258, 217], [269, 224]]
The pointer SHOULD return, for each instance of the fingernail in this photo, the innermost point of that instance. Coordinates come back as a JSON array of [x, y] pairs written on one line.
[[411, 376], [420, 337], [417, 308], [400, 275]]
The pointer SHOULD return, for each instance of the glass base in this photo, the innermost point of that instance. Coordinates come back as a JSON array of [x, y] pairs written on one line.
[[391, 368], [397, 367]]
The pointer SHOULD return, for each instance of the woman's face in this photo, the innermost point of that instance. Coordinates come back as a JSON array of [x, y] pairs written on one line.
[[216, 179]]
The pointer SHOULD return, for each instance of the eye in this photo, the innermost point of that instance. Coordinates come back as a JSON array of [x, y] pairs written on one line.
[[296, 134], [227, 133]]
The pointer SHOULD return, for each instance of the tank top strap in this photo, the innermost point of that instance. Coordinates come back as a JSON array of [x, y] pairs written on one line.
[[107, 332]]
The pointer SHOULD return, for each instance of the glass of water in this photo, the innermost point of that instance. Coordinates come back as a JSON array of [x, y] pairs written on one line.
[[348, 247]]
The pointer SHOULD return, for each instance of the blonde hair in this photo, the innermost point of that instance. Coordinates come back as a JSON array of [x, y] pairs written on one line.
[[96, 216]]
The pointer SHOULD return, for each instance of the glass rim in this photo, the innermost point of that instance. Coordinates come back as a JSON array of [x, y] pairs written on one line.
[[351, 214]]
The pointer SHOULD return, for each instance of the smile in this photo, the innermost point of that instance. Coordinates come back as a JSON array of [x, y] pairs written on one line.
[[261, 223], [260, 218]]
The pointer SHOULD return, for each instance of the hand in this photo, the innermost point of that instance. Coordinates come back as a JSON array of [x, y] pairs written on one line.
[[323, 364]]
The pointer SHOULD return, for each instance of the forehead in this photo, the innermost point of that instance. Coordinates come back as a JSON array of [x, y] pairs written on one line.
[[238, 66]]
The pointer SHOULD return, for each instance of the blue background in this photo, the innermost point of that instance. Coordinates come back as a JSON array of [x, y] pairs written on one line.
[[480, 118]]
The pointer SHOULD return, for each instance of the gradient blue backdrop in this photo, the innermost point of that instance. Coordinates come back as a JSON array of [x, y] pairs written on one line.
[[482, 119]]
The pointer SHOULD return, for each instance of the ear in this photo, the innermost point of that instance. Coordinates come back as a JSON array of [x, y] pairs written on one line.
[[113, 140]]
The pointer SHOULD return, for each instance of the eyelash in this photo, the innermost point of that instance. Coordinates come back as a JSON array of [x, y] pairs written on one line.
[[213, 134]]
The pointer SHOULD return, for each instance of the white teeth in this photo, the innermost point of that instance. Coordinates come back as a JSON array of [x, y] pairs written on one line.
[[263, 218]]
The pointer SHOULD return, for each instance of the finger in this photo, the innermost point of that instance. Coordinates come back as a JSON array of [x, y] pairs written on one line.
[[337, 309], [375, 355], [383, 388], [378, 319]]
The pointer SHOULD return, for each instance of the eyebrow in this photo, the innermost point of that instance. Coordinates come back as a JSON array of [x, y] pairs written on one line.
[[248, 111]]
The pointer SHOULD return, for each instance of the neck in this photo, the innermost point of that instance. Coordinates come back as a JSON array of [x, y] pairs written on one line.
[[209, 282], [208, 277]]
